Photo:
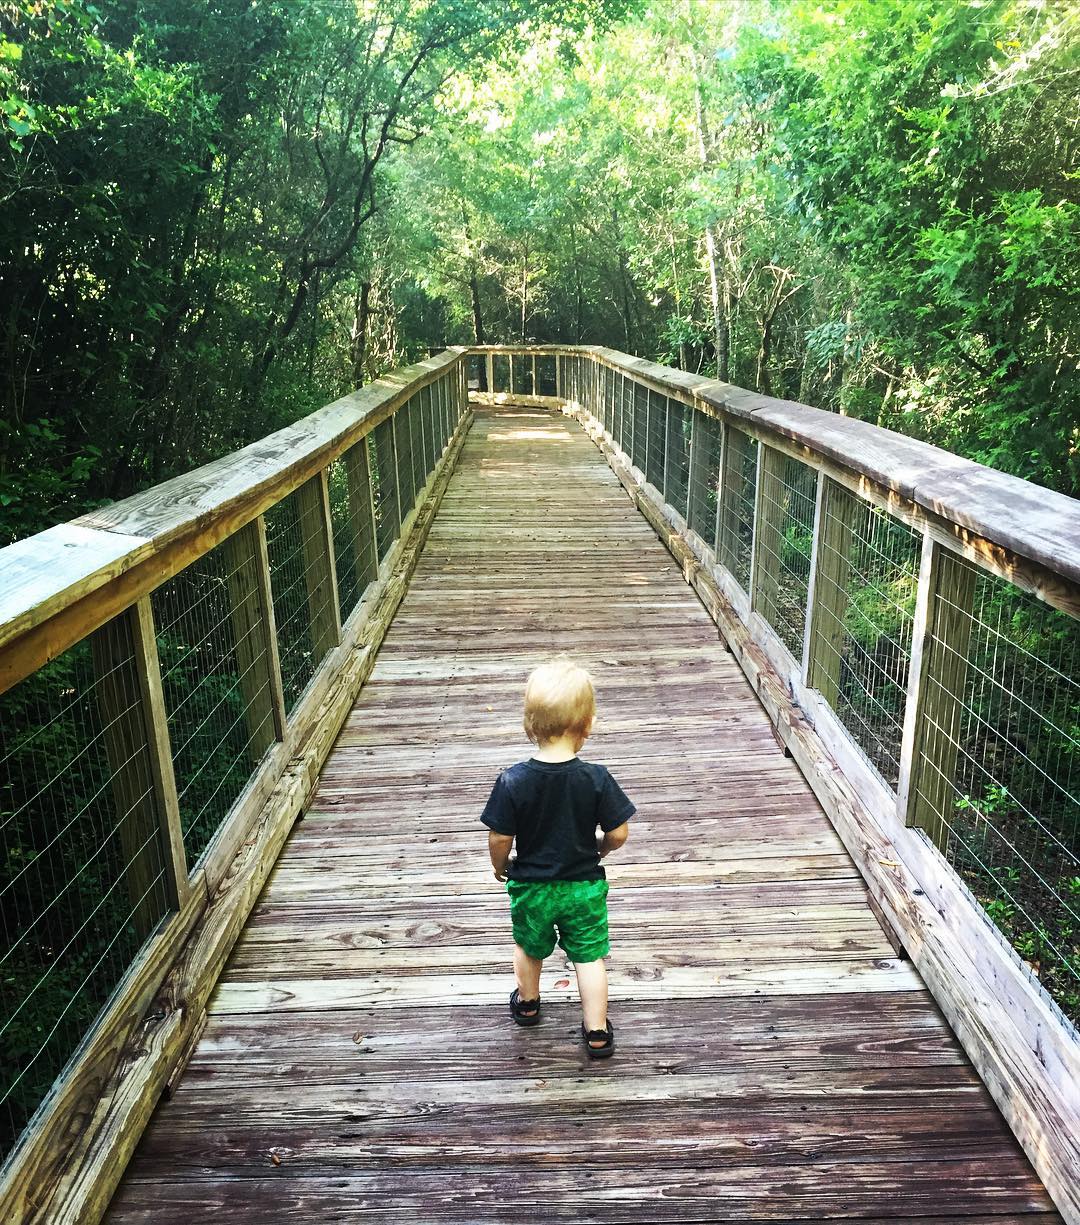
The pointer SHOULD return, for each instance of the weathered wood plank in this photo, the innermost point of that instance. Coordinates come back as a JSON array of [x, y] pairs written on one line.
[[67, 1176], [775, 1060], [1026, 1055]]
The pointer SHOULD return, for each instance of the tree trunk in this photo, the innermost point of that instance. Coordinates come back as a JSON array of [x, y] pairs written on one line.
[[524, 289], [764, 356], [359, 338], [578, 292], [720, 329]]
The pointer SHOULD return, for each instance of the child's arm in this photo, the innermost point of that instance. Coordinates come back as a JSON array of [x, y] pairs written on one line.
[[499, 849], [614, 838]]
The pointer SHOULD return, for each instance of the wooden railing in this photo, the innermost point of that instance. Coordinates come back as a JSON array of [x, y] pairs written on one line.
[[908, 619], [173, 670]]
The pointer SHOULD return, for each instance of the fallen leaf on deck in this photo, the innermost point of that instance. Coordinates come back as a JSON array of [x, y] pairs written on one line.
[[491, 708], [563, 982], [358, 1037], [275, 1159], [888, 863]]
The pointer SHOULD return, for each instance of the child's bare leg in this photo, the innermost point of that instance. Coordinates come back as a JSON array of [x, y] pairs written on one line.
[[592, 987], [527, 972]]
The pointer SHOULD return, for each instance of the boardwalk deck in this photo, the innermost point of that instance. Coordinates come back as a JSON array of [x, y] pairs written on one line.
[[775, 1061]]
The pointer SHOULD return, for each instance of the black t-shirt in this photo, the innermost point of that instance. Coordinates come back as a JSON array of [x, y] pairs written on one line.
[[553, 808]]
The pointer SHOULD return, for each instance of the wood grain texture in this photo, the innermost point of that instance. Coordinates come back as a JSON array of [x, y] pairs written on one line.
[[1035, 524], [776, 1061], [1025, 1052], [69, 1163], [60, 585]]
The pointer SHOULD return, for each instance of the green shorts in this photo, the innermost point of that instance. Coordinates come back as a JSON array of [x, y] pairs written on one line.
[[576, 908]]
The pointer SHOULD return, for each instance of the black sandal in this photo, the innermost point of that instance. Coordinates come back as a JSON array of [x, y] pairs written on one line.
[[524, 1012], [589, 1036]]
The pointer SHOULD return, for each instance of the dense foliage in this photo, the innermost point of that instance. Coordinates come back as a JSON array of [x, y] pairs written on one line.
[[187, 232], [216, 217], [872, 207]]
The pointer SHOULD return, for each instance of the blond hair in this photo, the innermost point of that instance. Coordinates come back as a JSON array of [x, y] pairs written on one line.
[[559, 700]]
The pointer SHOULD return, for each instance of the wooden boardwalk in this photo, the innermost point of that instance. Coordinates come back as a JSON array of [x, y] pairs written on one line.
[[775, 1060]]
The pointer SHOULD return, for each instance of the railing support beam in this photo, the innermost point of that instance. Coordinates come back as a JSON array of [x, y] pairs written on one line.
[[941, 636], [830, 573]]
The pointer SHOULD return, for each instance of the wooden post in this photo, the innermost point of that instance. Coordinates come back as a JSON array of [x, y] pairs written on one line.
[[254, 640], [768, 535], [403, 449], [425, 410], [438, 418], [489, 368], [628, 416], [268, 622], [148, 667], [534, 374], [136, 804], [721, 485], [666, 478], [937, 675], [827, 597], [320, 574], [449, 394], [135, 733]]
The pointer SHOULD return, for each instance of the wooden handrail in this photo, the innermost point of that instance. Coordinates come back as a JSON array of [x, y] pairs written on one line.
[[798, 494], [132, 546], [64, 585], [985, 510], [185, 881]]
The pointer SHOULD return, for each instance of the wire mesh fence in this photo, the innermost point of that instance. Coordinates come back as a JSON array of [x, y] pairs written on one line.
[[738, 492], [677, 471], [656, 447], [384, 482], [87, 871], [304, 601], [523, 381], [546, 384], [996, 780], [704, 481], [351, 514], [639, 424], [866, 582], [83, 875], [785, 532], [215, 674]]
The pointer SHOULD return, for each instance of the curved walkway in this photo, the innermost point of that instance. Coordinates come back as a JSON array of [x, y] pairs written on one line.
[[775, 1060]]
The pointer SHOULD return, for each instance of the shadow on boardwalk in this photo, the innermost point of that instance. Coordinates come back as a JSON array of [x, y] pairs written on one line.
[[775, 1060]]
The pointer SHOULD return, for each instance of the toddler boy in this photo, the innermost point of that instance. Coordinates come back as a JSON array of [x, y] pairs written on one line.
[[551, 805]]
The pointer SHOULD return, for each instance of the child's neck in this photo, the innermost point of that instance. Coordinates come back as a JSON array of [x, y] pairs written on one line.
[[565, 748]]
